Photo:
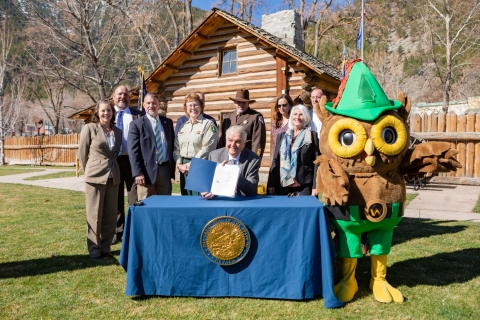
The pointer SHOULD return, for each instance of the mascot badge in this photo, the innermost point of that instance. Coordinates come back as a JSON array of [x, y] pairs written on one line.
[[365, 154]]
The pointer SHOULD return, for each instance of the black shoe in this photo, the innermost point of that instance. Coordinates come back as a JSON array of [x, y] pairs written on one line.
[[106, 255], [96, 258]]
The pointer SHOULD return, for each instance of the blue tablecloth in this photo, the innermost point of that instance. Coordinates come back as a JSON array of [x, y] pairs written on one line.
[[290, 255]]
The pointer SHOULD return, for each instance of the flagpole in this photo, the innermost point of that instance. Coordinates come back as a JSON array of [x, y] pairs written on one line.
[[363, 15]]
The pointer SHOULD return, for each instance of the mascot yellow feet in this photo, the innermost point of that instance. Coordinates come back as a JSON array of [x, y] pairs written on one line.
[[347, 287], [382, 290]]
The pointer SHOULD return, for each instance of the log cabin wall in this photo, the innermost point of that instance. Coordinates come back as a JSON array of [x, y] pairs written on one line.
[[256, 71]]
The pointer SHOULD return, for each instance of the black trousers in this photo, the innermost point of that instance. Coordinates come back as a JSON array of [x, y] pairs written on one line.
[[126, 181], [303, 190]]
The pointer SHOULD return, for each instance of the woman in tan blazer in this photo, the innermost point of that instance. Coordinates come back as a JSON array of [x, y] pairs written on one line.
[[100, 143]]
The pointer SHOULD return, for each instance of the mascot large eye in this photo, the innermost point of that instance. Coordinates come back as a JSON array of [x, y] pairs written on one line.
[[389, 135], [347, 138]]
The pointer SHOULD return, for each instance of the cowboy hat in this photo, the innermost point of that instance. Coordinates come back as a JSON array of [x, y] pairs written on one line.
[[242, 95]]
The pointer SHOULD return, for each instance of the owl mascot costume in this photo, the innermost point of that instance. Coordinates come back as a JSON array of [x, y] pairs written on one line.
[[364, 143]]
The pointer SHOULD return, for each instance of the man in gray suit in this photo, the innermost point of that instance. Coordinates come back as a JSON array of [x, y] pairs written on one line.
[[235, 152]]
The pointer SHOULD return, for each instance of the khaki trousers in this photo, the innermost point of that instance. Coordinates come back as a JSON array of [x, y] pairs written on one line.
[[101, 202], [162, 185]]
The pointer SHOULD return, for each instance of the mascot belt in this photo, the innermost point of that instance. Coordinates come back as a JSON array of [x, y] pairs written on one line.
[[357, 213], [352, 221]]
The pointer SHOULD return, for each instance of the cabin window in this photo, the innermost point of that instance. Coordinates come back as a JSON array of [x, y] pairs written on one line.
[[229, 61]]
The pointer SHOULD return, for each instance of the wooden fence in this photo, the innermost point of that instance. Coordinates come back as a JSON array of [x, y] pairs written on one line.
[[462, 131], [59, 150]]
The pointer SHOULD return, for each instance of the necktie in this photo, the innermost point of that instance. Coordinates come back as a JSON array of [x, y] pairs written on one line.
[[158, 140], [233, 161], [119, 125]]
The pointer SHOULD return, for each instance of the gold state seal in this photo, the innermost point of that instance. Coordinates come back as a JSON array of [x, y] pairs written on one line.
[[225, 240]]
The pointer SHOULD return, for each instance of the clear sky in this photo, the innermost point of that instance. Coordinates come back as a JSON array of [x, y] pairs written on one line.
[[270, 6]]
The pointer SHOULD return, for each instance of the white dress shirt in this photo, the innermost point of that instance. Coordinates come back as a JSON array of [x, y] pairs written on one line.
[[127, 118]]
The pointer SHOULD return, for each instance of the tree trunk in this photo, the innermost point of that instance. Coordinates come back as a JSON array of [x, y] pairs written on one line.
[[448, 56], [317, 29], [174, 23], [188, 15]]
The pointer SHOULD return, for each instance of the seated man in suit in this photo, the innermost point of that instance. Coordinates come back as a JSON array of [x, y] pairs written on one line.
[[150, 149], [235, 152]]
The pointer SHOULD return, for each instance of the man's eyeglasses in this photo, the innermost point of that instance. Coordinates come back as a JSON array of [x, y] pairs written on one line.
[[284, 105]]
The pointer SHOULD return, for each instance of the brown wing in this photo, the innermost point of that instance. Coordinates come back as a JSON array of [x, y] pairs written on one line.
[[429, 157], [332, 181]]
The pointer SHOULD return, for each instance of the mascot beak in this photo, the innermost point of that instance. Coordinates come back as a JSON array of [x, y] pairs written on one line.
[[369, 149]]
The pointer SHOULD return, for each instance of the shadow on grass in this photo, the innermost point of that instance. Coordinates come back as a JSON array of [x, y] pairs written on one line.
[[441, 269], [414, 228], [36, 267]]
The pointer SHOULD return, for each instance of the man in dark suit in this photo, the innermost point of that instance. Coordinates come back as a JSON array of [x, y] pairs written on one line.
[[150, 148], [183, 119], [124, 116], [235, 153]]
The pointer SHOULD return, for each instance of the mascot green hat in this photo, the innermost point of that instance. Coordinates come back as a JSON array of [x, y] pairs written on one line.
[[360, 96]]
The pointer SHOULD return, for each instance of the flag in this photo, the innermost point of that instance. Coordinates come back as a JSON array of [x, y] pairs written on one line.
[[360, 35], [344, 62], [142, 89]]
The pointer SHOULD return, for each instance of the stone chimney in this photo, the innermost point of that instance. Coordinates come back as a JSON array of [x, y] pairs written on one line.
[[286, 25]]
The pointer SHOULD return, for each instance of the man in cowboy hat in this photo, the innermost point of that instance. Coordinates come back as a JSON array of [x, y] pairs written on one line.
[[248, 118]]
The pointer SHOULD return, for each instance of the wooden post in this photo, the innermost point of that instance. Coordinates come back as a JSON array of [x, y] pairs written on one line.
[[452, 127], [461, 127], [441, 128], [470, 146], [441, 122], [416, 124], [433, 123], [476, 169], [424, 122]]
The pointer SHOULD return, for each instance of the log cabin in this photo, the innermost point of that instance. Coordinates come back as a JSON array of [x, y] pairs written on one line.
[[224, 54]]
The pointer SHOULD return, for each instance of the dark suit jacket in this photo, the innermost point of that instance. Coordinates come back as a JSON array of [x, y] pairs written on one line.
[[306, 169], [249, 165], [96, 158], [142, 148]]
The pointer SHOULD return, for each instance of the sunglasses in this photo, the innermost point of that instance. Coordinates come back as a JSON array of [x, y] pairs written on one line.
[[284, 105]]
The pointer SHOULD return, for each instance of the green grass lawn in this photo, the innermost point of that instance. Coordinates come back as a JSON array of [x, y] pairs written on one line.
[[9, 170], [45, 272], [477, 206], [62, 174], [410, 197]]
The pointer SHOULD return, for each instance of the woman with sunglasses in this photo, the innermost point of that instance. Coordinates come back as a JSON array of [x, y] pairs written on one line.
[[280, 116]]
